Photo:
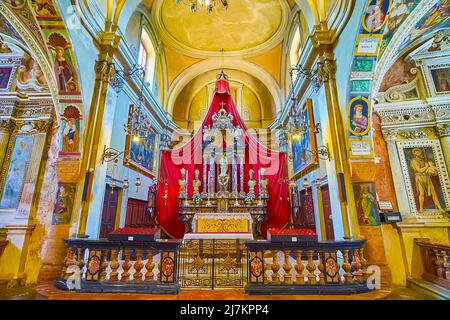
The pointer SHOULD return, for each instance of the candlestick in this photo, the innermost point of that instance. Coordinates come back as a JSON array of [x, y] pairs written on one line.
[[186, 204], [208, 204], [260, 204]]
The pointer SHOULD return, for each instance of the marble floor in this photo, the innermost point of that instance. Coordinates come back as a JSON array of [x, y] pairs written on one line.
[[46, 291]]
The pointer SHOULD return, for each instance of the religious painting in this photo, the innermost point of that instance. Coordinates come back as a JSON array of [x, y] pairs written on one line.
[[441, 80], [400, 10], [140, 149], [16, 172], [359, 116], [438, 14], [44, 8], [4, 48], [306, 144], [376, 15], [5, 76], [64, 203], [71, 127], [64, 63], [425, 175], [366, 204]]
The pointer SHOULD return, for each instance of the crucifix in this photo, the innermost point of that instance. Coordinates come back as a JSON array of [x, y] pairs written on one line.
[[222, 104]]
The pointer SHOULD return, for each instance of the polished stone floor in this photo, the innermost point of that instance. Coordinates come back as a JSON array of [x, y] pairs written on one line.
[[45, 291]]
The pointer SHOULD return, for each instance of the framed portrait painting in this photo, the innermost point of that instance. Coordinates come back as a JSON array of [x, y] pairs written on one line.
[[359, 116], [140, 149], [425, 176], [441, 80], [303, 159], [376, 15]]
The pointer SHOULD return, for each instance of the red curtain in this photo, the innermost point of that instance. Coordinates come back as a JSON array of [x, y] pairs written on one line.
[[189, 156]]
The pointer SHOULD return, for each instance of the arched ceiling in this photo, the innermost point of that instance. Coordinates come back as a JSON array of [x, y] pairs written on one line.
[[247, 27]]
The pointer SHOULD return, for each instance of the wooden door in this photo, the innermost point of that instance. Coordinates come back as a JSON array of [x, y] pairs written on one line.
[[109, 211], [137, 215], [327, 212], [307, 219]]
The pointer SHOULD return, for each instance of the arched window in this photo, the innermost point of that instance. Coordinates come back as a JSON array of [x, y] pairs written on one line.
[[147, 58], [296, 47]]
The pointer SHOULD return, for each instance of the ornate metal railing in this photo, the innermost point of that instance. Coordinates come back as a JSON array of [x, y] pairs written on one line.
[[116, 266], [331, 267], [436, 264]]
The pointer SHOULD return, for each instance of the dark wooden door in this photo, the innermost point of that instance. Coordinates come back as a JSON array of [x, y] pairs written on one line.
[[137, 215], [306, 217], [327, 212], [109, 211]]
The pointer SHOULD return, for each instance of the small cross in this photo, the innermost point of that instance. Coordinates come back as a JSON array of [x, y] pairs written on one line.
[[222, 104]]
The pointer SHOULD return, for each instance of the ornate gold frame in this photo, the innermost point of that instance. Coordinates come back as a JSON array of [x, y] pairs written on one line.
[[127, 160]]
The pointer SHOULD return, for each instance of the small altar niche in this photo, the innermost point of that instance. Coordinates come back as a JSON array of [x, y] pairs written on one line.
[[229, 205]]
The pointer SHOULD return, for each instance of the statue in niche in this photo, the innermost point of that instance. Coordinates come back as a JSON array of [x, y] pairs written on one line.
[[196, 183], [263, 183], [423, 173], [182, 183], [251, 184], [71, 135], [30, 76]]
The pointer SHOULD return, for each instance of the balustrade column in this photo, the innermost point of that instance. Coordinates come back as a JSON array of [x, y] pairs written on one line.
[[347, 267], [205, 175], [104, 264], [311, 267], [68, 261], [275, 267], [299, 267], [149, 276], [356, 265], [241, 184], [321, 268], [287, 267], [114, 265], [138, 265], [80, 257], [126, 265]]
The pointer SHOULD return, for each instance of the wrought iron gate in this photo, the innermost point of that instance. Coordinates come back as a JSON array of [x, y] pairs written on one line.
[[212, 264]]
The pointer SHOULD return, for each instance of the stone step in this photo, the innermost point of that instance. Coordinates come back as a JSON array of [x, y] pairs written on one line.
[[429, 289]]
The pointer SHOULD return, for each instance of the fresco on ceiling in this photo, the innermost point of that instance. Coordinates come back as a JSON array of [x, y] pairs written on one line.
[[7, 29], [400, 10], [437, 17], [16, 172], [399, 73], [15, 4], [44, 8]]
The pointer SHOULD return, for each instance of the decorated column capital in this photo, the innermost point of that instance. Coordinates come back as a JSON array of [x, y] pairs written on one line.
[[443, 130]]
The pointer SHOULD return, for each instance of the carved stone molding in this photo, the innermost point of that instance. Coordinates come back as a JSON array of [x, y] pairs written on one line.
[[405, 115], [425, 133], [390, 134], [443, 130]]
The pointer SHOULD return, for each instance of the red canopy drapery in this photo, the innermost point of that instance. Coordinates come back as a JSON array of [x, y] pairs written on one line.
[[189, 156]]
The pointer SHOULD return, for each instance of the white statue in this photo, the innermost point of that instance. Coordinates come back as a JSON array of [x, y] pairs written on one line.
[[182, 183], [223, 166], [251, 183], [196, 183]]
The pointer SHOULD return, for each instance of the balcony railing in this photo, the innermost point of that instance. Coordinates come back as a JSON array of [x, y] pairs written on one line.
[[330, 267], [268, 267], [436, 264], [116, 266]]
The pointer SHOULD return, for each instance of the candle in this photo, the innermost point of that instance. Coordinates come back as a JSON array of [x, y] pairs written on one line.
[[187, 181]]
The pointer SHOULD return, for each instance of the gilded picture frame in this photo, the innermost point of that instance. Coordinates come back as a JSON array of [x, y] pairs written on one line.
[[141, 154], [359, 126], [303, 159], [382, 14]]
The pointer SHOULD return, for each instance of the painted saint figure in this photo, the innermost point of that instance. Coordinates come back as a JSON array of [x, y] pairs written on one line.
[[71, 134], [375, 18], [359, 120], [423, 171], [367, 207], [64, 68]]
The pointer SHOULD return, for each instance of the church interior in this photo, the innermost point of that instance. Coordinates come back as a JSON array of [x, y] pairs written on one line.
[[227, 149]]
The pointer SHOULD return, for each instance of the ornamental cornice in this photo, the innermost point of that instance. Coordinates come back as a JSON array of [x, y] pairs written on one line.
[[406, 115]]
